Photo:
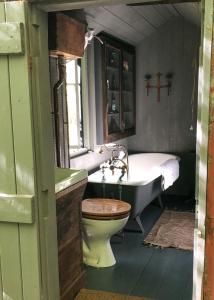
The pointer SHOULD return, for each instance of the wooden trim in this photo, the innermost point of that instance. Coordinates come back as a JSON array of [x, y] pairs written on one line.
[[208, 282], [70, 189], [122, 47], [56, 53], [61, 116], [120, 135], [12, 38], [16, 208], [106, 2], [105, 108], [154, 2], [115, 42]]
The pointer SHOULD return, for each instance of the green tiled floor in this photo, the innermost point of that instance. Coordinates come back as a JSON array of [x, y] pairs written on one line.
[[162, 274]]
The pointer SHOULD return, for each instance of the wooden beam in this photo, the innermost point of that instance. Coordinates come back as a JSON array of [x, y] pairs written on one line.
[[208, 284], [16, 208], [60, 5], [81, 3], [12, 41], [157, 2]]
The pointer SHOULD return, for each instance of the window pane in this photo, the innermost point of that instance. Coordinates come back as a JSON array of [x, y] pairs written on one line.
[[80, 117], [78, 72], [73, 118], [76, 143], [70, 71], [80, 104]]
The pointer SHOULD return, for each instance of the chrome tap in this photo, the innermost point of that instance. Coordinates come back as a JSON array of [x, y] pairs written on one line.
[[119, 154]]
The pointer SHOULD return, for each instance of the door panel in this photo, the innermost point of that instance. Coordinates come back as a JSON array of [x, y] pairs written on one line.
[[10, 265], [11, 277]]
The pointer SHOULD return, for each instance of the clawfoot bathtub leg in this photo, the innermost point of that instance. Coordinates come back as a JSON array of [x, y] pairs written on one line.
[[160, 202], [140, 224]]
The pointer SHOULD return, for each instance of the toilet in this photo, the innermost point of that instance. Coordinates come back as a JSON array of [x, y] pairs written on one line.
[[101, 218]]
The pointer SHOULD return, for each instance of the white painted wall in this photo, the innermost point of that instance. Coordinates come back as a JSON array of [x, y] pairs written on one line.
[[165, 126]]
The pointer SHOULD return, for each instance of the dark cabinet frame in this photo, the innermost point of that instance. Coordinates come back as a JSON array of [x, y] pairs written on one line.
[[102, 113]]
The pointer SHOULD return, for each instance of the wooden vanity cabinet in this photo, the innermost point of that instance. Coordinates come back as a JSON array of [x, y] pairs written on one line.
[[115, 89], [70, 256]]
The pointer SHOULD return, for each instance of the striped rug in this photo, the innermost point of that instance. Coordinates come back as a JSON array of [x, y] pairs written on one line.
[[173, 229]]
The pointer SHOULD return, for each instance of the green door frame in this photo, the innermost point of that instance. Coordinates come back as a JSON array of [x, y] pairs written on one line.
[[202, 150], [202, 124]]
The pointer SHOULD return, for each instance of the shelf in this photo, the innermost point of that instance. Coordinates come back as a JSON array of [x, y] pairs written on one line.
[[113, 68], [114, 91], [113, 113], [127, 72]]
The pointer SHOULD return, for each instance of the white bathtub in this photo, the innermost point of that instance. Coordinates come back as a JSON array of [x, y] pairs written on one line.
[[143, 168], [149, 174]]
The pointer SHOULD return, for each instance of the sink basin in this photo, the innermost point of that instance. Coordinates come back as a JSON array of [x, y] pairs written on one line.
[[67, 177]]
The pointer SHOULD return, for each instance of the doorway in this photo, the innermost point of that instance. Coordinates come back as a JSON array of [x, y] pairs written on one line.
[[199, 188]]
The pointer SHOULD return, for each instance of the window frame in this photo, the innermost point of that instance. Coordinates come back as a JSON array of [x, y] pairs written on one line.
[[84, 102]]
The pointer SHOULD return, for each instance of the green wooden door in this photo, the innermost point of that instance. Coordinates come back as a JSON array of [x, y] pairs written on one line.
[[28, 244]]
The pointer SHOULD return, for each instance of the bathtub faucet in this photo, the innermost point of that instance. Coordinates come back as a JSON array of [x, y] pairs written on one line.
[[118, 160]]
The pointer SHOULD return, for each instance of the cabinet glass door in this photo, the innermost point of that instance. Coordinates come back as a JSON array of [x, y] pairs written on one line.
[[113, 63], [128, 90]]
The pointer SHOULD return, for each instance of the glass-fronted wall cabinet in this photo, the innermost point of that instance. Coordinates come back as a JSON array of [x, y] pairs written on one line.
[[115, 89]]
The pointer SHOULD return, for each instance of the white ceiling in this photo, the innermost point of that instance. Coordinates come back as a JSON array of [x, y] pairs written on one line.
[[134, 23]]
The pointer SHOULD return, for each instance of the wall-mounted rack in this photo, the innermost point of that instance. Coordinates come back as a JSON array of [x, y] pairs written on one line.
[[158, 86]]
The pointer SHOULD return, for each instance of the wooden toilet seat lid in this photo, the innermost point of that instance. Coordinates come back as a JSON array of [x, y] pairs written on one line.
[[102, 208]]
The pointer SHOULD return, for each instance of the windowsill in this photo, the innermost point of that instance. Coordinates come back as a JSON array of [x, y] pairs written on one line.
[[89, 161], [78, 152]]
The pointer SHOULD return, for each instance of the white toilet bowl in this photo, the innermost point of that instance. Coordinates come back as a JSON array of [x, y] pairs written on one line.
[[101, 219]]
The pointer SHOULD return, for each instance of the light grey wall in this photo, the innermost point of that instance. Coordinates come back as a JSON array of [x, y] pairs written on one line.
[[165, 126]]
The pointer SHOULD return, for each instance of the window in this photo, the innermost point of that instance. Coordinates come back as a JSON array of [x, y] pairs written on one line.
[[70, 109], [75, 108]]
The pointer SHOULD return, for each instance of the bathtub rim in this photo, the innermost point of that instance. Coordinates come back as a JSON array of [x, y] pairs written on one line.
[[97, 176]]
